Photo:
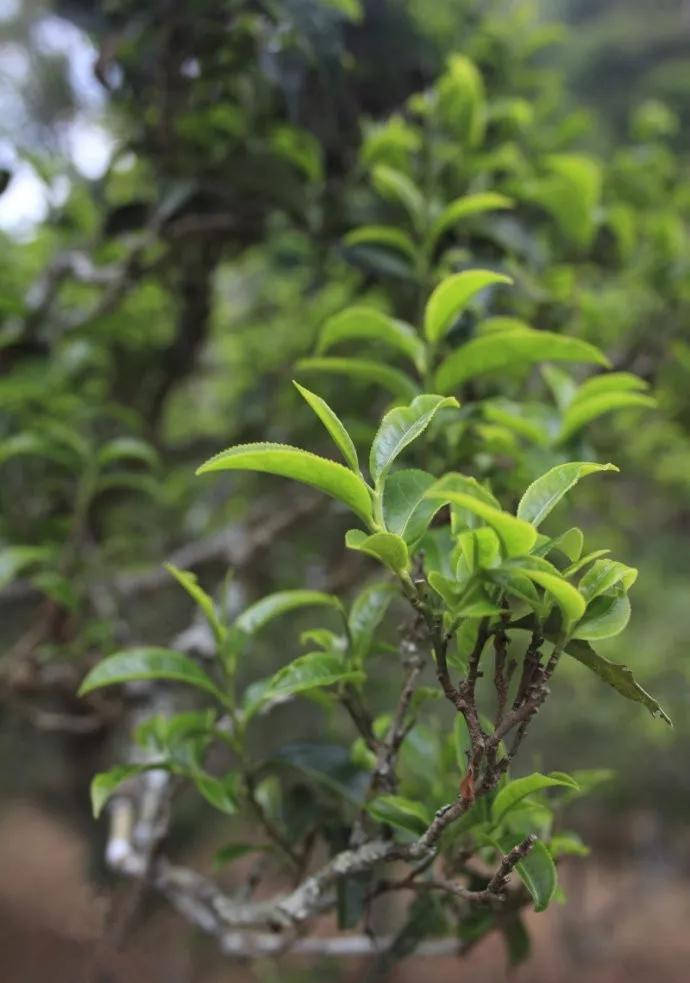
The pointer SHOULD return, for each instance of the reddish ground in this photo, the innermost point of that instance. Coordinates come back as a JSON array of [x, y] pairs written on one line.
[[621, 925]]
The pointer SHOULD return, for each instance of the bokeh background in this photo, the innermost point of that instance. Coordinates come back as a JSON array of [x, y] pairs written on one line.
[[176, 182]]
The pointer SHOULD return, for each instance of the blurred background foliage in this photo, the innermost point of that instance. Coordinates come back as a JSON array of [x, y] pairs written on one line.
[[179, 185]]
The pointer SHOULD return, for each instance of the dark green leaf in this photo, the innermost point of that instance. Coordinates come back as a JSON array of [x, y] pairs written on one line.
[[395, 810], [537, 871], [618, 676]]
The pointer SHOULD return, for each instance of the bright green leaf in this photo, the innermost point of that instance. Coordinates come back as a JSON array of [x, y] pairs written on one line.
[[290, 462], [148, 663], [513, 793], [452, 295], [603, 575], [517, 536], [546, 492], [366, 323], [382, 235], [400, 427], [274, 605], [583, 411], [384, 546], [605, 617], [496, 351], [333, 425]]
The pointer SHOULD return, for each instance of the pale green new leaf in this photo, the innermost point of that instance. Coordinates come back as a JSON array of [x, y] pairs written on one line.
[[396, 382], [605, 574], [569, 543], [291, 462], [506, 348], [547, 491], [366, 323], [333, 425], [605, 617], [461, 208], [583, 411], [386, 547], [583, 561], [452, 295], [148, 663], [568, 598], [517, 536], [400, 427], [618, 676], [274, 605], [513, 793]]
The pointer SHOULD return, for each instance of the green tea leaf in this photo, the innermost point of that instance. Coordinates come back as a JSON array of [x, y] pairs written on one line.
[[399, 428], [517, 536], [405, 510], [390, 549], [618, 676], [569, 599], [333, 425], [371, 325], [396, 186], [221, 793], [461, 208], [605, 617], [290, 462], [127, 448], [310, 671], [603, 575], [583, 411], [537, 872], [609, 382], [15, 559], [382, 235], [546, 492], [274, 605], [106, 782], [506, 348], [452, 295], [366, 614], [188, 581], [395, 381], [514, 792], [395, 810], [148, 663]]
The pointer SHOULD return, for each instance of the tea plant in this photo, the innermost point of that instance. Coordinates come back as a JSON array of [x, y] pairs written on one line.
[[493, 606]]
